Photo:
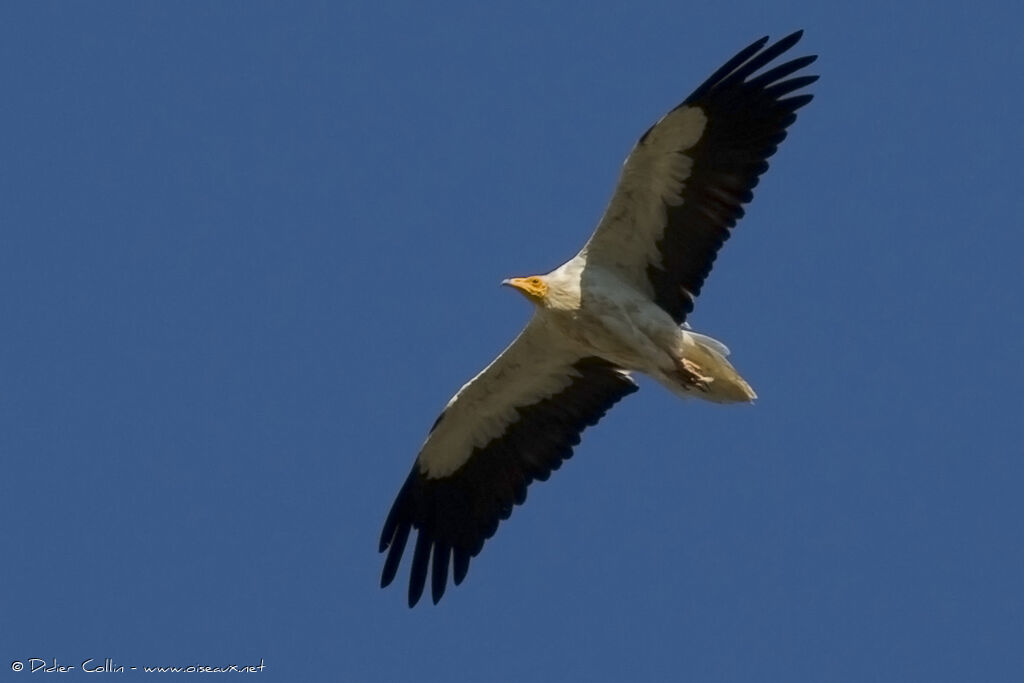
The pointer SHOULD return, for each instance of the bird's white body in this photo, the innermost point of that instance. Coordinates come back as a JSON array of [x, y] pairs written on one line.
[[603, 315]]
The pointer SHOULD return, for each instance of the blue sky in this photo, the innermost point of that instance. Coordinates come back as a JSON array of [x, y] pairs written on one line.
[[249, 250]]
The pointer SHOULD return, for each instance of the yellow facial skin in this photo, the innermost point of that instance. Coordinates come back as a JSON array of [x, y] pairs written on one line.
[[533, 288]]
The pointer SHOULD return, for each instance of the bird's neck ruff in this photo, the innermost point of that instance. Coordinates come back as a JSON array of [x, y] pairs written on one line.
[[564, 286]]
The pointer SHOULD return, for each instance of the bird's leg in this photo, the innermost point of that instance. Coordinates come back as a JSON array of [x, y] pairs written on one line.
[[692, 375]]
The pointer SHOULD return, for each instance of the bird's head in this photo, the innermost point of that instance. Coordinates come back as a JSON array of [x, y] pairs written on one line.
[[534, 288]]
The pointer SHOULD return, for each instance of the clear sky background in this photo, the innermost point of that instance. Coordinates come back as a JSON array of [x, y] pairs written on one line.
[[249, 250]]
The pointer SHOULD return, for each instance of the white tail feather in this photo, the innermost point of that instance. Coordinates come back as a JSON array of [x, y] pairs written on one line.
[[711, 342]]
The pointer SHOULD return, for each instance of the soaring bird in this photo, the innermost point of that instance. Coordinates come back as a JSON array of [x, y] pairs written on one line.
[[616, 307]]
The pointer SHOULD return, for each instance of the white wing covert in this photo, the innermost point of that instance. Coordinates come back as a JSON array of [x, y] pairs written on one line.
[[684, 184], [513, 423]]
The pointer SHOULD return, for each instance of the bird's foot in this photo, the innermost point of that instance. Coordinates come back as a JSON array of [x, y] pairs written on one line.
[[692, 375]]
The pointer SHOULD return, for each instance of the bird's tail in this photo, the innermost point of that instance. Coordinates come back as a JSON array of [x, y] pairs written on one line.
[[704, 372]]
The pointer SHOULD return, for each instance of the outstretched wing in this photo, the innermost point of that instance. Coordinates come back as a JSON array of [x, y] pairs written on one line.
[[513, 423], [685, 183]]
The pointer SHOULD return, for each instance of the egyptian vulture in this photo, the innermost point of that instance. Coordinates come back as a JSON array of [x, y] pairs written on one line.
[[618, 306]]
